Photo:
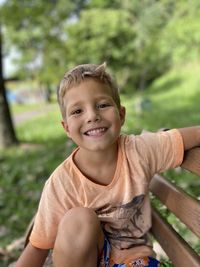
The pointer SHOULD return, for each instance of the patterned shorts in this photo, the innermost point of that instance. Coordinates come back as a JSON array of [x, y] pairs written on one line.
[[105, 261]]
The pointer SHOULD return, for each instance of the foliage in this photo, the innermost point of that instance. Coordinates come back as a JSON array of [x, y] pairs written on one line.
[[181, 37], [140, 40], [124, 37], [104, 39], [24, 170], [36, 29], [176, 94]]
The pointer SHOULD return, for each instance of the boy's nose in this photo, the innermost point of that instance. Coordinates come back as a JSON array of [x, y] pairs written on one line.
[[93, 116]]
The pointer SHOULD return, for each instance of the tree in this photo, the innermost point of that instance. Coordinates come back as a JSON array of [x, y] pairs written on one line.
[[123, 33], [126, 35], [102, 35], [132, 36], [7, 132], [181, 37], [37, 30]]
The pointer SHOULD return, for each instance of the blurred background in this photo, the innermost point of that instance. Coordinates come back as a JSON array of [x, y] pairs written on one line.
[[151, 47]]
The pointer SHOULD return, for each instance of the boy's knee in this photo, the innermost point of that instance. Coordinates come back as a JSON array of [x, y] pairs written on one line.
[[79, 222], [79, 232]]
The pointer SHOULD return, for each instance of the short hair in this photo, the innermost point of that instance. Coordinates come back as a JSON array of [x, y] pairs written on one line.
[[81, 72]]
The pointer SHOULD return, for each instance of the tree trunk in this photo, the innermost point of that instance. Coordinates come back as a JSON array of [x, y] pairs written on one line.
[[7, 132]]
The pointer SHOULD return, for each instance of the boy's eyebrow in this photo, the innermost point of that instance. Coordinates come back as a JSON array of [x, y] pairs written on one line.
[[78, 103], [100, 97], [103, 97]]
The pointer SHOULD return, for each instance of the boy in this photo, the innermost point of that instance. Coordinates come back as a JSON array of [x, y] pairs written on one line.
[[94, 209]]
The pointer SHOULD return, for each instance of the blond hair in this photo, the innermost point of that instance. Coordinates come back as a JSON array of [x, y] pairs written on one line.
[[79, 74]]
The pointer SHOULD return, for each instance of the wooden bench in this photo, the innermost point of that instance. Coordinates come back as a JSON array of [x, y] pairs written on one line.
[[185, 207]]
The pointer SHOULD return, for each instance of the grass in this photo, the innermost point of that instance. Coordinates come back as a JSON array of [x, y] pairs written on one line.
[[172, 102], [19, 108], [26, 168]]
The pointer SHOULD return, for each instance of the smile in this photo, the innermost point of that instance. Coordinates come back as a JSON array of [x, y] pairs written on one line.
[[96, 132]]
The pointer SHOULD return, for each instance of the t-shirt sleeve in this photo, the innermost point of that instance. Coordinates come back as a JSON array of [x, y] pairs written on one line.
[[159, 151], [52, 208]]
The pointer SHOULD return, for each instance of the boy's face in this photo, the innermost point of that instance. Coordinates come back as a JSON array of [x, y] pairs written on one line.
[[93, 120]]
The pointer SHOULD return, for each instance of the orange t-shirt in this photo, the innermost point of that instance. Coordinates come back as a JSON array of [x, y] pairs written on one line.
[[123, 206]]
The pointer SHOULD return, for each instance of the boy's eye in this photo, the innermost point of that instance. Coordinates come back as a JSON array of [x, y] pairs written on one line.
[[103, 105], [76, 112]]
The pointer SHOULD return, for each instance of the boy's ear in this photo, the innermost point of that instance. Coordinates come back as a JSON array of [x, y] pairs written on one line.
[[65, 127], [122, 114]]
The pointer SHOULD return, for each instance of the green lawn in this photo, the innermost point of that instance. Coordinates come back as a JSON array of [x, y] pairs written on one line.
[[172, 101], [20, 108]]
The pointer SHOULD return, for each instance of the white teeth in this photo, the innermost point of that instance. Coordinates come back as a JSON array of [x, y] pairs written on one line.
[[96, 131]]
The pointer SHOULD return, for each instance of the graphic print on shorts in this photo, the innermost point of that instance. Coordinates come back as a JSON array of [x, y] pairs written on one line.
[[106, 261]]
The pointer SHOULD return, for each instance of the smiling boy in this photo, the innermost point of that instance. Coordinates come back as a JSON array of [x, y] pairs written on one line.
[[93, 121], [94, 210]]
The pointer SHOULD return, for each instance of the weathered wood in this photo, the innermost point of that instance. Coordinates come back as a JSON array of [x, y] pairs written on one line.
[[180, 253], [185, 207]]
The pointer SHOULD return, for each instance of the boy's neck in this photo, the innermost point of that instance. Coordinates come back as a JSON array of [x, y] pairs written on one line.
[[98, 167]]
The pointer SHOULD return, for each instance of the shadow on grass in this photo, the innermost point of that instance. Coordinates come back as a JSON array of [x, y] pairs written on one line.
[[24, 170], [166, 86], [167, 114]]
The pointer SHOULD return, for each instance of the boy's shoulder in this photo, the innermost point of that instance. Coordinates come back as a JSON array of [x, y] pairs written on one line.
[[153, 139], [64, 169]]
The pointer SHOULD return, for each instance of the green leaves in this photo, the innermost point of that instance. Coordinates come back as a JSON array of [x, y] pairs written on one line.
[[140, 40]]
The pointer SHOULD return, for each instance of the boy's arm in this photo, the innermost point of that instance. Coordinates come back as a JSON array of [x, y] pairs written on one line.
[[191, 140], [191, 137], [32, 257]]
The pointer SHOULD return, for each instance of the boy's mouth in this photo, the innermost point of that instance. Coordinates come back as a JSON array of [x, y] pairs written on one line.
[[96, 131]]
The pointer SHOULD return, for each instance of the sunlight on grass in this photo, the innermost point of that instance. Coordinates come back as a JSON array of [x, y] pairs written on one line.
[[174, 102], [18, 108], [43, 129]]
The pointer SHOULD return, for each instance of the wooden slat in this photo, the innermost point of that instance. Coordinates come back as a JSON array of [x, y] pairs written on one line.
[[185, 207], [180, 253], [191, 161]]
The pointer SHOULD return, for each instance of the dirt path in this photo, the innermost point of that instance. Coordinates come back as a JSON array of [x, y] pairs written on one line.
[[28, 115]]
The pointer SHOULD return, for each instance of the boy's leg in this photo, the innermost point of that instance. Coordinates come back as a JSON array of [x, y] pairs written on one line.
[[79, 240]]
